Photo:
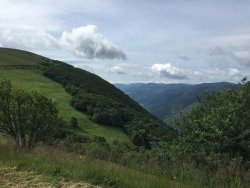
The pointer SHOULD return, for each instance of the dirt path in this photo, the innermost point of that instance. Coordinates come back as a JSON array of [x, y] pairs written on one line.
[[11, 178]]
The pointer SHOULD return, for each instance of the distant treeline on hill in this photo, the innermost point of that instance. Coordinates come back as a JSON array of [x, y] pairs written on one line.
[[166, 101]]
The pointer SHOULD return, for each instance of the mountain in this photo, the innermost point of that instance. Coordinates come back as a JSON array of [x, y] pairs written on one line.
[[168, 100], [100, 107]]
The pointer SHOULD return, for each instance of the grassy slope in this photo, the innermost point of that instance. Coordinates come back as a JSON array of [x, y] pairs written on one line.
[[18, 57], [30, 78], [52, 167]]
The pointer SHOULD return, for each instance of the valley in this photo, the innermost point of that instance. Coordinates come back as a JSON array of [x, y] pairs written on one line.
[[167, 101]]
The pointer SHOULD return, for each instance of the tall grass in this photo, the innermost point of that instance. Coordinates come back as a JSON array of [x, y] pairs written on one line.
[[70, 166], [57, 163]]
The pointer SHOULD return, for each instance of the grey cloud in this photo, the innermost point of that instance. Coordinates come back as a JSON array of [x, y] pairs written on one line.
[[183, 56], [217, 51], [224, 55], [85, 42], [243, 57]]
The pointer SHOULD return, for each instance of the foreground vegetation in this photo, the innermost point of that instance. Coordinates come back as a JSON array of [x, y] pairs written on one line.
[[57, 165], [74, 167]]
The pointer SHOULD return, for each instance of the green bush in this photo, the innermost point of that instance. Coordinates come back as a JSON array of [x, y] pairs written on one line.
[[218, 128], [28, 117]]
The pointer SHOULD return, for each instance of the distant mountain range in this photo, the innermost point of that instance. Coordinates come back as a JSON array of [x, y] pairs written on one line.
[[168, 100]]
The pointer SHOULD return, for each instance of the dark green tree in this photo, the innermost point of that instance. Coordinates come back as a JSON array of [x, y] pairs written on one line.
[[73, 122], [137, 139], [27, 117]]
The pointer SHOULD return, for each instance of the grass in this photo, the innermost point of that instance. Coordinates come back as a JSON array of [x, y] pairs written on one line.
[[29, 78], [18, 57], [56, 164], [11, 177]]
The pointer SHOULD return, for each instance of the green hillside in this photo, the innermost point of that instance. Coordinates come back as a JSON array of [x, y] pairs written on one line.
[[18, 57], [100, 108], [31, 78]]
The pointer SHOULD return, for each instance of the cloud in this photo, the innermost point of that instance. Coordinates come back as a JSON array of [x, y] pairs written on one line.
[[85, 42], [233, 72], [117, 69], [169, 71], [29, 38], [183, 56], [217, 51], [243, 57], [228, 55]]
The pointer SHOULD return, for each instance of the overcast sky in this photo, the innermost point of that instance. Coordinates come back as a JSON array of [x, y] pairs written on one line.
[[169, 41]]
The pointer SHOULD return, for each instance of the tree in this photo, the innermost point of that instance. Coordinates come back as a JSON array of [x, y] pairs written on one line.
[[74, 122], [28, 117], [218, 127]]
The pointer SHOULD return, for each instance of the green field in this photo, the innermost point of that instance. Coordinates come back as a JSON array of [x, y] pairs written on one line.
[[30, 78]]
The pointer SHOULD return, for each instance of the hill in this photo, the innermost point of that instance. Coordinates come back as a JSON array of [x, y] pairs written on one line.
[[168, 100], [100, 108]]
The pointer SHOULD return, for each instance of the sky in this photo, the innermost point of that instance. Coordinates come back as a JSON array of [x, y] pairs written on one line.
[[160, 41]]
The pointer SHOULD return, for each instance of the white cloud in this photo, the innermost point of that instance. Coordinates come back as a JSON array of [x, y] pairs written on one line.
[[233, 72], [28, 38], [87, 43], [169, 71], [117, 69]]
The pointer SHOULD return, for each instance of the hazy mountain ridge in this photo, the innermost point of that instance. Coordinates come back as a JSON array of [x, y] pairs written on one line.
[[167, 100]]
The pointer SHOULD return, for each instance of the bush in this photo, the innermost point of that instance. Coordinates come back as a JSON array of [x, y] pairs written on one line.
[[27, 117], [218, 127]]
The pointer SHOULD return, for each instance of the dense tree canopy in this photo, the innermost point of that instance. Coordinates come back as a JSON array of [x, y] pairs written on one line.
[[27, 117], [219, 126]]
